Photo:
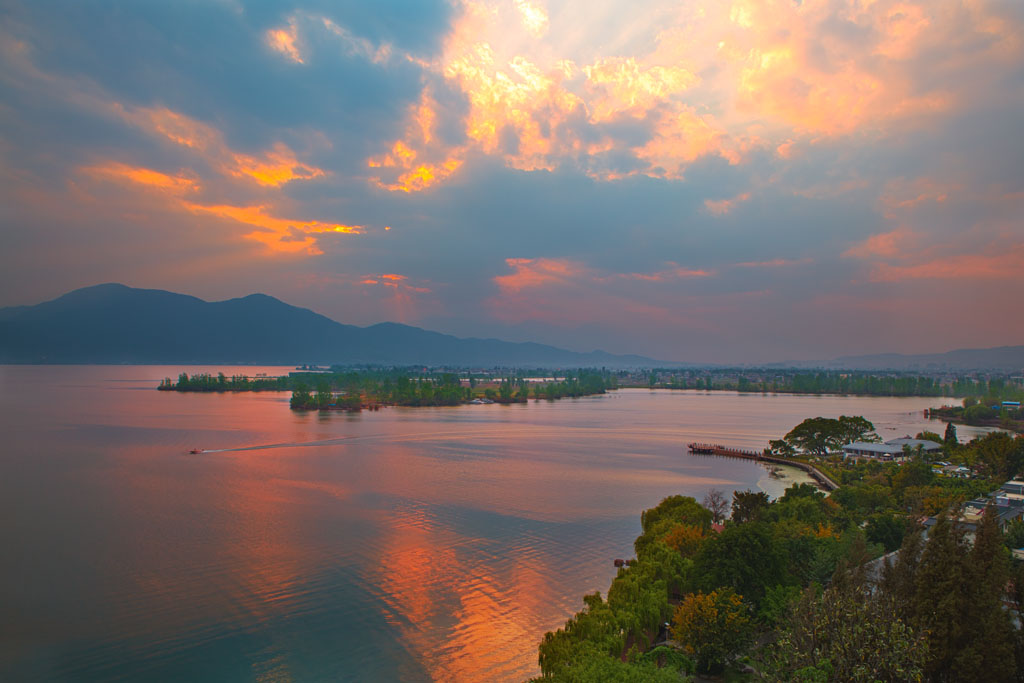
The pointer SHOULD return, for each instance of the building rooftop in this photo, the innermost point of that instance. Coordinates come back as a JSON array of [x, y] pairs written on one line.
[[925, 444], [868, 447]]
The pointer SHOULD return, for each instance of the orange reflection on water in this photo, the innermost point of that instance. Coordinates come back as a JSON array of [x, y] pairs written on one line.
[[466, 614]]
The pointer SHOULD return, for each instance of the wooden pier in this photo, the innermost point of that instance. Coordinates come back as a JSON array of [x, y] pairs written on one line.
[[716, 449]]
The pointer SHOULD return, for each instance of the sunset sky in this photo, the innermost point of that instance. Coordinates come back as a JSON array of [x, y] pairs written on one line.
[[746, 181]]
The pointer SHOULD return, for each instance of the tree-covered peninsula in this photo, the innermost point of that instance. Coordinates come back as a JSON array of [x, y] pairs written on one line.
[[801, 589], [988, 386], [353, 390]]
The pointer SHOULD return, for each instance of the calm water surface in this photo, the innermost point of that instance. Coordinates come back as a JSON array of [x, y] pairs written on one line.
[[407, 544]]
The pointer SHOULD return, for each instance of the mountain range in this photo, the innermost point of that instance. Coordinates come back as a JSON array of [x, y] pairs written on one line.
[[113, 323], [997, 358]]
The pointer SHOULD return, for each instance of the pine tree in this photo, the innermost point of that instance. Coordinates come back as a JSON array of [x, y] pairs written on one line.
[[950, 436], [940, 599], [899, 577], [989, 645]]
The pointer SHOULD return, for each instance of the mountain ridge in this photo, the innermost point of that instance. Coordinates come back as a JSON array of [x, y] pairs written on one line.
[[991, 358], [115, 323]]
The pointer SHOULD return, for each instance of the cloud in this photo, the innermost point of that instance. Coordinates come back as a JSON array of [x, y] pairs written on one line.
[[653, 180], [533, 273], [894, 244], [535, 19], [724, 206], [283, 40], [113, 170], [279, 234], [773, 71], [565, 292], [273, 168], [776, 263], [1006, 266]]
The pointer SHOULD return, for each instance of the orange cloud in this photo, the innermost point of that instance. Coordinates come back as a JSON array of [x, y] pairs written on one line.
[[113, 170], [280, 234], [774, 74], [623, 85], [274, 168], [395, 281], [405, 165], [283, 40], [535, 19]]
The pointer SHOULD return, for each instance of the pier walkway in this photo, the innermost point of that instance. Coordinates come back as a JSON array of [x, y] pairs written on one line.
[[716, 449]]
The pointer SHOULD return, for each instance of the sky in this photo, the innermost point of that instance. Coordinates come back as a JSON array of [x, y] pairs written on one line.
[[715, 181]]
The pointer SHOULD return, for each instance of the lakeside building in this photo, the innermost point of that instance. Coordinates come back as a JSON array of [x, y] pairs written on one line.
[[893, 450], [1009, 505]]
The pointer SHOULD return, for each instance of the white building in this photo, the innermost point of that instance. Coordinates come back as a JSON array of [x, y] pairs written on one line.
[[893, 450]]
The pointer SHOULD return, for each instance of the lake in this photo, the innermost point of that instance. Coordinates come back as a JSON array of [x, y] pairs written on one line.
[[409, 544]]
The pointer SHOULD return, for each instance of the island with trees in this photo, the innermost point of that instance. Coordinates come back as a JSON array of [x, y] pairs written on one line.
[[816, 588], [370, 388], [986, 386], [988, 411]]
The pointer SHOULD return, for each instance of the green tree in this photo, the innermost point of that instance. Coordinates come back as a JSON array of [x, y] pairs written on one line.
[[912, 474], [301, 398], [748, 506], [899, 578], [855, 428], [846, 634], [744, 557], [999, 454], [658, 521], [950, 438], [940, 598], [781, 448], [886, 530], [712, 627], [819, 435], [324, 397], [989, 640], [977, 414], [814, 435]]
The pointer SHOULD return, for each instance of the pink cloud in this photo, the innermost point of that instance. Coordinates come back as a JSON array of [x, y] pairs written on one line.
[[567, 293], [894, 244], [676, 272], [775, 263], [1006, 265], [720, 207], [533, 273]]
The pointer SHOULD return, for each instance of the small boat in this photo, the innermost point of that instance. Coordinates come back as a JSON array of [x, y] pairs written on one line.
[[196, 451]]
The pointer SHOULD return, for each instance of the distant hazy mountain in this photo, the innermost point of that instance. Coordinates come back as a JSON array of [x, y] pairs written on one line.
[[113, 323], [998, 358]]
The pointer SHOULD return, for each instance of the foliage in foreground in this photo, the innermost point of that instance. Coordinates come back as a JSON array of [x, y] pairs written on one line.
[[793, 572]]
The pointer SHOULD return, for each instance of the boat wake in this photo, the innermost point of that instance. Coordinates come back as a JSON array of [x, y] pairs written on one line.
[[343, 440], [290, 444]]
